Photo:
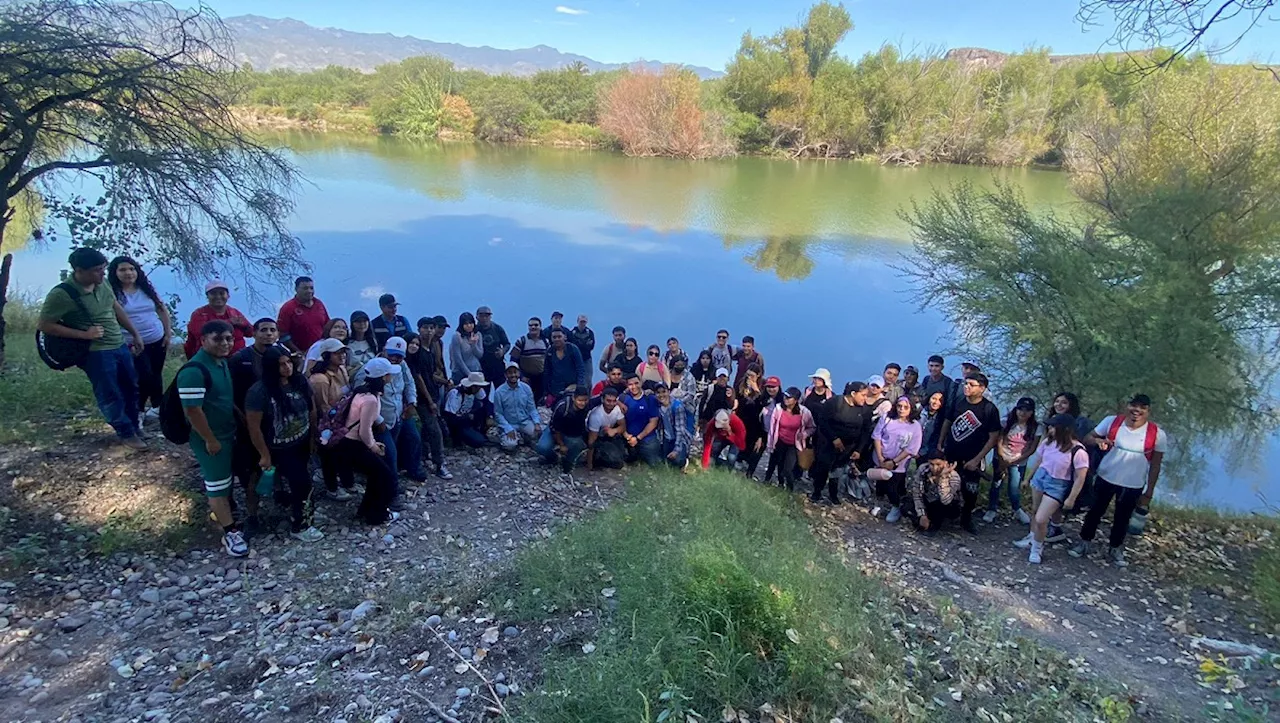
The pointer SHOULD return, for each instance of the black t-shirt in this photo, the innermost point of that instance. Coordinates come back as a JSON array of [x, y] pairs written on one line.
[[971, 425], [283, 424], [568, 420]]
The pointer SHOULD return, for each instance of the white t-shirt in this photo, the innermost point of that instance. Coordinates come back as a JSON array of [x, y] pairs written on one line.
[[600, 419], [1125, 465], [141, 310]]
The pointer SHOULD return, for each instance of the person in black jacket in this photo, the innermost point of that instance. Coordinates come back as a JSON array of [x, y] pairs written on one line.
[[584, 338], [845, 428]]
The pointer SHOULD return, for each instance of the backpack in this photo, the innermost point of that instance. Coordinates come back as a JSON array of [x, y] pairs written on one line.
[[1148, 445], [333, 425], [60, 353], [174, 424]]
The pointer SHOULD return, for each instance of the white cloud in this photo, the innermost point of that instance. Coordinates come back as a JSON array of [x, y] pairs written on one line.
[[372, 292], [566, 10]]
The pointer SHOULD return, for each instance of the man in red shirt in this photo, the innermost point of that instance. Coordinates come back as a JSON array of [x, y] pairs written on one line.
[[217, 293], [303, 317]]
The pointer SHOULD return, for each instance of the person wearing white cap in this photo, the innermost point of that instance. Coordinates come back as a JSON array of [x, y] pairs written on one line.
[[467, 410], [515, 411], [399, 413], [217, 293], [719, 396], [816, 394], [358, 450]]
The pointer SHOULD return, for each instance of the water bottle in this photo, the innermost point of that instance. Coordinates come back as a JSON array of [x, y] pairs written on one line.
[[325, 436], [267, 482]]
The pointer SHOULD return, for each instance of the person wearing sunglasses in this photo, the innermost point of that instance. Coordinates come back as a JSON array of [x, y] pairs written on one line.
[[652, 369]]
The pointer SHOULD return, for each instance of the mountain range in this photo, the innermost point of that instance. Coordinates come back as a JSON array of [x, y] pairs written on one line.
[[270, 43]]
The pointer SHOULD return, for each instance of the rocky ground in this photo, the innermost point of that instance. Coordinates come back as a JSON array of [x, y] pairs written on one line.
[[378, 624], [118, 605]]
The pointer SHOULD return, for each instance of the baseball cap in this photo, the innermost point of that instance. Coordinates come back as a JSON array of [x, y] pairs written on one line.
[[722, 419], [1141, 400], [875, 380], [970, 362], [387, 300], [483, 310], [397, 345], [773, 382], [722, 372], [557, 315], [441, 322], [330, 345], [378, 367], [1061, 420], [513, 365], [1026, 403], [216, 284]]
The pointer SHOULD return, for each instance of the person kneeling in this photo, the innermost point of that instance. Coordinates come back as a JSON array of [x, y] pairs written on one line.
[[606, 427], [515, 412], [466, 411], [934, 492], [565, 438], [724, 438], [676, 428]]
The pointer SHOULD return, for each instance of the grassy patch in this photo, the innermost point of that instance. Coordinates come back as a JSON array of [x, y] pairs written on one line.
[[559, 133], [714, 595], [1266, 583], [33, 397]]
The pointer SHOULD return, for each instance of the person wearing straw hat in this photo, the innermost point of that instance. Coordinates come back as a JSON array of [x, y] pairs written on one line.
[[467, 410]]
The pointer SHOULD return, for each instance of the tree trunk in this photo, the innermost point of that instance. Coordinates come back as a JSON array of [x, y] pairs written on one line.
[[4, 299]]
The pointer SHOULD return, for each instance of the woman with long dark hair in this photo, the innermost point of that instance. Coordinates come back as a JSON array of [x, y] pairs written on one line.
[[629, 359], [280, 414], [362, 344], [751, 404], [329, 382], [896, 440], [652, 369], [361, 452], [704, 375], [790, 427], [1014, 447], [466, 349], [335, 328], [150, 317], [1057, 478]]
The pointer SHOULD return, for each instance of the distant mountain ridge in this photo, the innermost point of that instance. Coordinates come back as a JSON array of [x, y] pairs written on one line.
[[270, 43]]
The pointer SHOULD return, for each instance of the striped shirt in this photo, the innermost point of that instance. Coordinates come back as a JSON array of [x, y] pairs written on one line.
[[216, 399]]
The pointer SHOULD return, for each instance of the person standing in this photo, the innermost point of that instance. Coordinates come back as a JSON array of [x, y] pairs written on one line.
[[683, 386], [336, 329], [204, 388], [936, 382], [1018, 441], [422, 367], [704, 377], [911, 388], [329, 382], [530, 356], [642, 424], [362, 345], [565, 370], [565, 438], [84, 308], [673, 353], [614, 349], [557, 323], [722, 352], [1134, 448], [496, 345], [893, 388], [629, 359], [466, 349], [746, 357], [1057, 477], [280, 415], [818, 393], [442, 380], [389, 323], [845, 428], [790, 427], [515, 412], [151, 319], [957, 391], [897, 439], [246, 368], [302, 319], [751, 405], [584, 338], [217, 293], [652, 370], [969, 433]]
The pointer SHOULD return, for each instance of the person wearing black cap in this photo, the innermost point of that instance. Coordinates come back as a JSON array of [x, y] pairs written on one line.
[[1018, 441], [956, 393], [557, 322], [845, 429], [388, 323], [1134, 447], [496, 344], [441, 375], [933, 493], [969, 433], [584, 338]]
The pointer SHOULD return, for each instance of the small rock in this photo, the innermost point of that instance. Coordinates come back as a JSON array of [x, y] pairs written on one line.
[[433, 621], [234, 586], [291, 661], [59, 658], [125, 671], [73, 595], [362, 610], [465, 652], [511, 631], [1081, 608], [463, 693], [388, 539], [39, 697], [501, 689], [72, 623]]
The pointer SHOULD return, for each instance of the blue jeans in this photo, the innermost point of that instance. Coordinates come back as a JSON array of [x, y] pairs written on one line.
[[404, 447], [115, 387], [723, 446], [669, 446], [546, 448], [1009, 478], [647, 450]]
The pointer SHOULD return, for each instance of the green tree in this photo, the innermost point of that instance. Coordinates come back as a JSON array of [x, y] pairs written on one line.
[[408, 97], [504, 109], [137, 96], [568, 94]]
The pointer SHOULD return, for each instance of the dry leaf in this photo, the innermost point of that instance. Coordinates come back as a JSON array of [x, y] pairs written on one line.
[[728, 715], [792, 635], [480, 655], [363, 643], [490, 636], [461, 668], [609, 591]]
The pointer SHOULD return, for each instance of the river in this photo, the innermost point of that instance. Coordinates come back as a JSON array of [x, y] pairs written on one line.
[[799, 254]]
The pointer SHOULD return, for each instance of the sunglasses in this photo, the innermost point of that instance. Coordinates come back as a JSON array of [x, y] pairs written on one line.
[[722, 338], [653, 353]]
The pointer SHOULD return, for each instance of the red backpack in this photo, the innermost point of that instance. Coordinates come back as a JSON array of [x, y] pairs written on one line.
[[1148, 445]]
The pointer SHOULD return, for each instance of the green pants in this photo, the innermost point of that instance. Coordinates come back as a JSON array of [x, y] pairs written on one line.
[[215, 469]]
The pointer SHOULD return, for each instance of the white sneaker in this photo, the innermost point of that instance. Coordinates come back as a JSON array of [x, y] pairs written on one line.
[[233, 542], [444, 473], [1023, 517], [1037, 550], [989, 516], [310, 534], [1025, 542], [894, 515]]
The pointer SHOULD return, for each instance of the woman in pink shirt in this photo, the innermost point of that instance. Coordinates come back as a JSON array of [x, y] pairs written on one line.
[[789, 430], [897, 440], [1056, 478], [361, 452]]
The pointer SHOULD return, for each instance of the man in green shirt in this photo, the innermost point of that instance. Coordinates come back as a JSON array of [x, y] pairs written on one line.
[[109, 364], [209, 402]]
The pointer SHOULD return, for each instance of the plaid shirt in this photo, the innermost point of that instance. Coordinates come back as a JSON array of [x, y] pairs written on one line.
[[675, 426], [924, 488]]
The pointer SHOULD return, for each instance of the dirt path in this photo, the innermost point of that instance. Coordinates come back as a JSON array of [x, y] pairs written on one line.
[[335, 630], [1135, 626]]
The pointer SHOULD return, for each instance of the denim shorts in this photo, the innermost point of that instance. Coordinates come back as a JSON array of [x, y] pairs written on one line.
[[1053, 487]]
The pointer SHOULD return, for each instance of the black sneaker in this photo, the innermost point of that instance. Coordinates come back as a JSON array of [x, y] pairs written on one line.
[[970, 526], [251, 527]]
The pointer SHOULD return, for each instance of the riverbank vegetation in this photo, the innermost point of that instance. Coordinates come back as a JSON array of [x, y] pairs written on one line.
[[787, 93]]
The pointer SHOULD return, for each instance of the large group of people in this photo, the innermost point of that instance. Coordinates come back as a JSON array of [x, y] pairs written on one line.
[[264, 402]]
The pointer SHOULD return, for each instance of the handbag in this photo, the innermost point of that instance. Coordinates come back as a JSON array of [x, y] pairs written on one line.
[[804, 458]]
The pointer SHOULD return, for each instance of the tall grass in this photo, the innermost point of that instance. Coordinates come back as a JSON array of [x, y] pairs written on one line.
[[34, 397], [713, 591]]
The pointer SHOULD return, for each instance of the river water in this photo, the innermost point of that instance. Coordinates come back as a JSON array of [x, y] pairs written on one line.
[[799, 255]]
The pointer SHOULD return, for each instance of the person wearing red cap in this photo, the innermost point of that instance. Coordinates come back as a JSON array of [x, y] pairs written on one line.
[[217, 292]]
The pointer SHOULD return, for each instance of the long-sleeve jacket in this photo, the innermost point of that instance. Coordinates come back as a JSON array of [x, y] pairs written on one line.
[[399, 394], [584, 339], [675, 427], [327, 388], [513, 407], [924, 488], [464, 357], [686, 390], [849, 423], [557, 373], [736, 435], [807, 426]]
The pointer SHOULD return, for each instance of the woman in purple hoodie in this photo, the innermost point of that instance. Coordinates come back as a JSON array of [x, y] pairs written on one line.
[[897, 440]]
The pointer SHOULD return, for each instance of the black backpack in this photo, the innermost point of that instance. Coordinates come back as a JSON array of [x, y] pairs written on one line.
[[173, 419], [59, 352]]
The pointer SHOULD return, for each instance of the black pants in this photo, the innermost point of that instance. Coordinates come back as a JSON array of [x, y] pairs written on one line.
[[894, 488], [335, 472], [291, 469], [937, 512], [969, 483], [432, 435], [380, 482], [150, 368], [783, 458], [750, 455], [826, 460], [1126, 501]]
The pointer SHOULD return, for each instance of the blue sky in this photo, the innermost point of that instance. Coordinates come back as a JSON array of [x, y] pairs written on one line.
[[706, 32]]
